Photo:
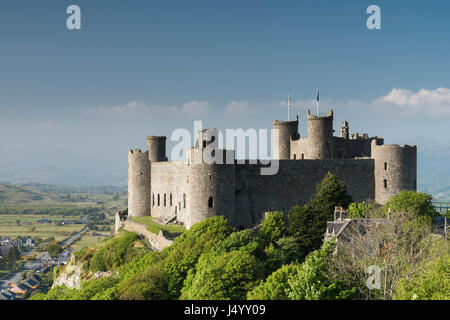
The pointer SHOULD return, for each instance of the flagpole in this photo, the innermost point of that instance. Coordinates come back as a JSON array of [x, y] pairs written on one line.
[[289, 106], [317, 102]]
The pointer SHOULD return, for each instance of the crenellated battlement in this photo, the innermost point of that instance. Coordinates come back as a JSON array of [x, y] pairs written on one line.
[[156, 138], [137, 152], [328, 116]]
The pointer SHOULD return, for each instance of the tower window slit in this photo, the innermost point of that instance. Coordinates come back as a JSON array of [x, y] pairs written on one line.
[[385, 183], [210, 202]]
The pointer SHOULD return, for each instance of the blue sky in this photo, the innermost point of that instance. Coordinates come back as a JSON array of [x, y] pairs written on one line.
[[148, 67]]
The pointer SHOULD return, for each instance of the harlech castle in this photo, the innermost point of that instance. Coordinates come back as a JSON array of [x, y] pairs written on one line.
[[190, 191]]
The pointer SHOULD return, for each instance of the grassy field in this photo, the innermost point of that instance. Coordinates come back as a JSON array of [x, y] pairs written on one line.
[[86, 240], [25, 219], [22, 206], [156, 227], [38, 230]]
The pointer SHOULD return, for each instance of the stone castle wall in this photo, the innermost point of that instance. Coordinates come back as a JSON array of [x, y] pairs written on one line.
[[158, 241], [169, 183], [295, 185]]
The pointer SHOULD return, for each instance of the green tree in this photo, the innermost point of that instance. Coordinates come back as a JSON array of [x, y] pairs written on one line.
[[412, 201], [276, 285], [11, 257], [308, 223], [54, 249], [361, 210], [273, 227], [330, 192], [227, 276], [431, 282], [311, 281]]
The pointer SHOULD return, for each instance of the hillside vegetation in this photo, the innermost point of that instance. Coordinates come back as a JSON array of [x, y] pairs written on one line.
[[285, 258]]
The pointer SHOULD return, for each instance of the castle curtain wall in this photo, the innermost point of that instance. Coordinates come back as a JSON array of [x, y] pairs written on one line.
[[295, 185]]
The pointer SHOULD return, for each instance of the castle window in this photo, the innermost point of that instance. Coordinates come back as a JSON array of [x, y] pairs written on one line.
[[385, 183], [204, 144], [184, 201], [295, 156], [385, 166], [210, 202], [170, 199], [153, 199], [164, 199], [303, 156], [159, 202]]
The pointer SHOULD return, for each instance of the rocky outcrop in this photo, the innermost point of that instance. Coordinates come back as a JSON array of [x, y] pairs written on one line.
[[72, 275]]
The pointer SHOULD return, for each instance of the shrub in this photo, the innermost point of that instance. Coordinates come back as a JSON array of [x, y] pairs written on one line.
[[276, 285], [226, 276], [115, 252], [273, 227]]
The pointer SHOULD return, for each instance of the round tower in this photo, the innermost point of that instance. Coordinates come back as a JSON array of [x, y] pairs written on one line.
[[156, 146], [284, 132], [139, 185], [320, 136], [210, 192], [395, 169]]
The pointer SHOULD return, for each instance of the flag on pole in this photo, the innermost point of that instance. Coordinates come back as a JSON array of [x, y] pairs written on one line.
[[317, 102]]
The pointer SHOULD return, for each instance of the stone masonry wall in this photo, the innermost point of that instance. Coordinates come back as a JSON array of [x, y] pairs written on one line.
[[158, 241], [295, 185]]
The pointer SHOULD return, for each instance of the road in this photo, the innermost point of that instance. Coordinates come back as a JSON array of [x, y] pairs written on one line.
[[73, 238]]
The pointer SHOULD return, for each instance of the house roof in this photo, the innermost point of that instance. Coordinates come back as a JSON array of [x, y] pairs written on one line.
[[20, 288], [32, 283]]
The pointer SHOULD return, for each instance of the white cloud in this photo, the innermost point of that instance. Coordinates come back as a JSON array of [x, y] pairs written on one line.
[[196, 107], [131, 107], [46, 124], [238, 107], [432, 102]]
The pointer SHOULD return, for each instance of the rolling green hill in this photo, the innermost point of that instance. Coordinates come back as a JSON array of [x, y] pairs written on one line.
[[12, 194]]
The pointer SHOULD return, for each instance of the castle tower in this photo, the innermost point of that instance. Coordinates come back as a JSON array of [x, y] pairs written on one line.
[[156, 146], [345, 130], [320, 136], [284, 132], [139, 186], [207, 136], [210, 191], [395, 169]]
